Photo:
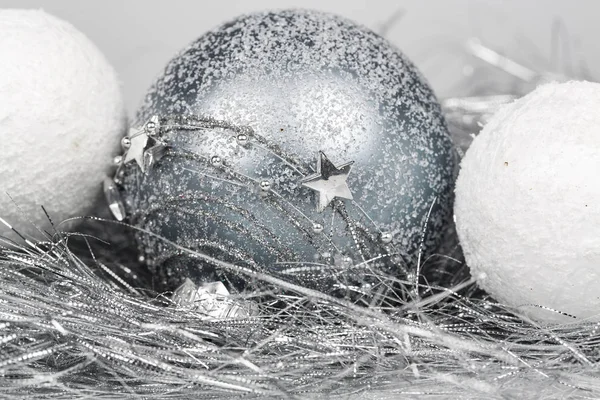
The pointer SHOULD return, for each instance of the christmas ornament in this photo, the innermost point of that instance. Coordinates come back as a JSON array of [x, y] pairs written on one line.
[[292, 142], [61, 111], [527, 210]]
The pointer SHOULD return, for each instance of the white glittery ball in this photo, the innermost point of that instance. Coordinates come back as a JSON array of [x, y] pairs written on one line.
[[528, 203], [61, 117]]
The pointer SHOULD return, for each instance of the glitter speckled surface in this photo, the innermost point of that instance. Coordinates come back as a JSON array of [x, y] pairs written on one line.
[[303, 82]]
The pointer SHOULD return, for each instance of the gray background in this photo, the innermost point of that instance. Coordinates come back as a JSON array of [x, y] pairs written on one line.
[[140, 36]]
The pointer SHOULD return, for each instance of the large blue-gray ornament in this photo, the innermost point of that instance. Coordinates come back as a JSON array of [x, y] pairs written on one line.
[[295, 143]]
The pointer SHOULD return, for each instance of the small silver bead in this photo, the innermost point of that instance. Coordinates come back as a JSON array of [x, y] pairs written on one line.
[[151, 128], [265, 186], [317, 228], [242, 138], [215, 160], [386, 237], [126, 142], [118, 160]]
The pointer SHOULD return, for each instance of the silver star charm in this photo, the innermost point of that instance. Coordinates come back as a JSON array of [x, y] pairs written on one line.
[[329, 181], [138, 141]]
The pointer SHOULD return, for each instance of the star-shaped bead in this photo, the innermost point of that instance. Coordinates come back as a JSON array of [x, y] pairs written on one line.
[[138, 140], [329, 181]]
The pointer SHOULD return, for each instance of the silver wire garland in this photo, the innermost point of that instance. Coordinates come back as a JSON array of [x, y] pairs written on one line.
[[353, 278]]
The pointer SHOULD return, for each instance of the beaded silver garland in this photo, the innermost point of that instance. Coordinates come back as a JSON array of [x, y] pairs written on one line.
[[323, 159]]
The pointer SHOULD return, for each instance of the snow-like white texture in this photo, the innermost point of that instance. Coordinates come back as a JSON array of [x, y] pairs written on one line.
[[61, 117], [528, 203]]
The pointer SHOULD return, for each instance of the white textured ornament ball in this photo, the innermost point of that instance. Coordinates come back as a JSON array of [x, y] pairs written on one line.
[[528, 203], [61, 114]]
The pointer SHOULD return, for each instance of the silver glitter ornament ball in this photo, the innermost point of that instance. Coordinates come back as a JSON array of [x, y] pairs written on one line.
[[295, 143]]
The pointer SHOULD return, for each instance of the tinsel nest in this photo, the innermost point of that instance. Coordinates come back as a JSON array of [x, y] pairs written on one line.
[[79, 319]]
